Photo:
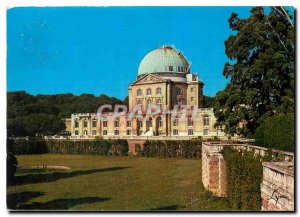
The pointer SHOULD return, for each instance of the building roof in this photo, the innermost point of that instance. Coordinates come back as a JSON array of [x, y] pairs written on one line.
[[165, 59]]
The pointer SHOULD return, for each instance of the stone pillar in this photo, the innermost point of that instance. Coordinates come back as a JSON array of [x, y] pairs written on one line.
[[213, 170], [277, 188]]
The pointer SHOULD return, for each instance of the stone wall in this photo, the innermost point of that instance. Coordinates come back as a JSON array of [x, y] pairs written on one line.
[[277, 188], [213, 170], [133, 142]]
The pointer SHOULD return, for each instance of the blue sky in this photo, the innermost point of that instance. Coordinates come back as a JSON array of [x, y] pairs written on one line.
[[98, 49]]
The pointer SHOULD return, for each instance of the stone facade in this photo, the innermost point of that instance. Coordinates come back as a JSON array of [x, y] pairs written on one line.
[[277, 188], [154, 92]]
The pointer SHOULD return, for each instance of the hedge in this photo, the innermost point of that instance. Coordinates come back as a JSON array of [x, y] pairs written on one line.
[[277, 132], [244, 173], [170, 148], [100, 147]]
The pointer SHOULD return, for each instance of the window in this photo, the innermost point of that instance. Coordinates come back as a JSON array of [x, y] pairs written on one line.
[[192, 99], [116, 132], [175, 132], [178, 91], [94, 132], [116, 123], [158, 91], [190, 132], [159, 103], [180, 68], [160, 123], [192, 89], [128, 123], [190, 121], [128, 132], [206, 121], [175, 122], [140, 124], [76, 132], [139, 92], [139, 102], [149, 92], [160, 133], [170, 68], [85, 132], [104, 123], [148, 104], [76, 123], [94, 123], [85, 123], [205, 132], [104, 132]]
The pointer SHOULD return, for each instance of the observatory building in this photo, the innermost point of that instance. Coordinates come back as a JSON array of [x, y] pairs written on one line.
[[166, 99]]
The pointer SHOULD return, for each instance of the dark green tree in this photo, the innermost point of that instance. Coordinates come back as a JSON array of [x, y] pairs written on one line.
[[261, 71], [208, 101]]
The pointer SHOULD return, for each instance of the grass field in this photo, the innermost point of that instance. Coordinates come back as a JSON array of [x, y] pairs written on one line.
[[111, 183]]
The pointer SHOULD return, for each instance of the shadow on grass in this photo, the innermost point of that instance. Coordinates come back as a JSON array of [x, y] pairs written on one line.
[[166, 208], [62, 204], [15, 199], [51, 177]]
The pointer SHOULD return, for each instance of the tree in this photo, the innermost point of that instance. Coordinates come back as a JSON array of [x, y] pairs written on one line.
[[28, 115], [208, 101], [261, 72]]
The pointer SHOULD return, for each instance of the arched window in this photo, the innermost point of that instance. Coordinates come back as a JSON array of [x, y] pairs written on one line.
[[148, 92], [76, 132], [85, 123], [85, 132], [206, 120], [94, 132], [139, 92]]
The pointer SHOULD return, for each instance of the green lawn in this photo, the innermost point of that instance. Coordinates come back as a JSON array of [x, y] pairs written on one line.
[[111, 183]]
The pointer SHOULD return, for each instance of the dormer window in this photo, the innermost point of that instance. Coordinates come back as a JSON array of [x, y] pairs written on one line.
[[180, 68]]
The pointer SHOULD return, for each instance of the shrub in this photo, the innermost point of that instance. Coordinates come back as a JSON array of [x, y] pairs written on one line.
[[171, 148], [100, 147], [11, 167], [277, 132], [244, 175]]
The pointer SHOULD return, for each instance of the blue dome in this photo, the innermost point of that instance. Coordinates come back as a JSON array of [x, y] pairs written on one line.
[[165, 59]]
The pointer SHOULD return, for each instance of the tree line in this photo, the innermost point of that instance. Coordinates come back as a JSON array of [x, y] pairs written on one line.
[[28, 115]]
